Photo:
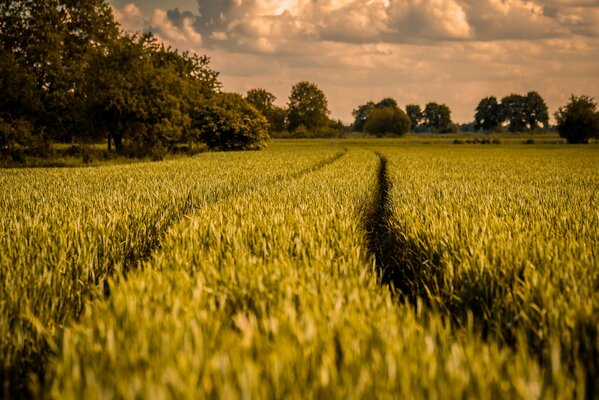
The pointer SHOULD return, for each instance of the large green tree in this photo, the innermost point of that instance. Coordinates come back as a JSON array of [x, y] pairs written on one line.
[[146, 93], [578, 121], [53, 41], [437, 117], [308, 107]]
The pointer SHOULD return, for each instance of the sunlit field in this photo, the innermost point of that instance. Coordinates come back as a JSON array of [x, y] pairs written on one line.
[[356, 268]]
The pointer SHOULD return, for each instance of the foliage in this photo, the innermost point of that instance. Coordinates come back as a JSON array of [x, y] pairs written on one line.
[[387, 120], [415, 114], [229, 122], [524, 113], [489, 114], [361, 114], [70, 75], [437, 117], [52, 40], [308, 106], [364, 112], [537, 114], [146, 93], [264, 102], [578, 121]]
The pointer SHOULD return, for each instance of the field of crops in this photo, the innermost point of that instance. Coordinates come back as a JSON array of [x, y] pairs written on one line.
[[309, 270]]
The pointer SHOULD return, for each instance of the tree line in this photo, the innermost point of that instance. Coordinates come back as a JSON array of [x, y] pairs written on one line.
[[68, 73]]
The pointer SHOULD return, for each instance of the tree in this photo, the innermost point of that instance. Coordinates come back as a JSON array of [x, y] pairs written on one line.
[[386, 120], [52, 40], [578, 121], [19, 103], [536, 111], [415, 114], [361, 114], [308, 107], [387, 102], [146, 93], [488, 115], [264, 102], [438, 117], [514, 111], [229, 122]]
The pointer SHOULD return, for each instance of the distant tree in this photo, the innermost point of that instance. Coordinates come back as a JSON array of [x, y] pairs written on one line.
[[488, 115], [387, 120], [387, 102], [536, 111], [261, 99], [229, 122], [415, 114], [578, 121], [438, 118], [360, 115], [264, 102], [514, 111], [308, 106]]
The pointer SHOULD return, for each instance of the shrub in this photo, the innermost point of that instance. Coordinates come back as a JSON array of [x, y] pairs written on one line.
[[578, 121], [229, 122], [388, 120]]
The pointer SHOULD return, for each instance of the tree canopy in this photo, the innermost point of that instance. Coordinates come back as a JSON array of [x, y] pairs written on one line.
[[364, 112], [229, 122], [578, 121], [264, 102], [415, 114], [387, 120], [67, 73], [308, 107], [437, 117], [489, 115]]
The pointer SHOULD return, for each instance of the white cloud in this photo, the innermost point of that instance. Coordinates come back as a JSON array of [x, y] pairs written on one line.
[[450, 51], [130, 17], [184, 36]]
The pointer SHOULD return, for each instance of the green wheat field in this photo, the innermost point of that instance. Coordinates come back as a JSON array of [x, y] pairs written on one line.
[[351, 269]]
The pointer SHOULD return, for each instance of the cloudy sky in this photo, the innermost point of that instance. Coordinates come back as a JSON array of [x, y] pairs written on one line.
[[416, 51]]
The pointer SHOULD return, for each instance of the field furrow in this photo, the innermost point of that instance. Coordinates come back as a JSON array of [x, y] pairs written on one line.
[[63, 233], [273, 293]]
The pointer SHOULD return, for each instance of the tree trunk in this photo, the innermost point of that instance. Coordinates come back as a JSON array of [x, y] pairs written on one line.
[[118, 143], [109, 143]]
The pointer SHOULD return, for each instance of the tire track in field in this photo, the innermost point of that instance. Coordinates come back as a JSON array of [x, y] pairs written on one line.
[[397, 262], [384, 240], [397, 257], [16, 378]]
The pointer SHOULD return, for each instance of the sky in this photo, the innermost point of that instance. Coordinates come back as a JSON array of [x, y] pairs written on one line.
[[448, 51]]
